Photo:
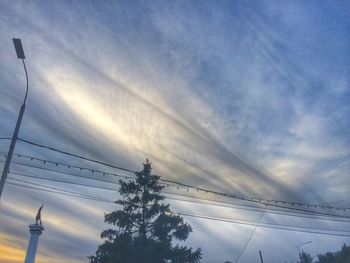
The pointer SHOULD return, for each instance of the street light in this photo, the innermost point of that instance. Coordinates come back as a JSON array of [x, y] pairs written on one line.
[[20, 54], [301, 245]]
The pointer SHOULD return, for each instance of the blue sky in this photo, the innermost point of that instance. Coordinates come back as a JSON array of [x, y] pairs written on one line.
[[249, 97]]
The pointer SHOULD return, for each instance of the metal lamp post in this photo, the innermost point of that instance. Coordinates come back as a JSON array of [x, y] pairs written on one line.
[[20, 54], [303, 244]]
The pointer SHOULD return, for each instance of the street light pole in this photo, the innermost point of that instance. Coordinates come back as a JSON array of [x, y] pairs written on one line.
[[20, 54], [301, 260]]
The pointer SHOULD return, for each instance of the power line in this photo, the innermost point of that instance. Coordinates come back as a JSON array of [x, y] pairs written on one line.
[[251, 235], [259, 203], [62, 181], [237, 221], [76, 156], [62, 192], [296, 209], [57, 189], [72, 174], [228, 220], [270, 202], [81, 168], [248, 199], [257, 209], [166, 193], [52, 170]]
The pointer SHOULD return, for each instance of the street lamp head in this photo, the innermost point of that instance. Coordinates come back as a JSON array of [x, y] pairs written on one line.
[[20, 54], [19, 49]]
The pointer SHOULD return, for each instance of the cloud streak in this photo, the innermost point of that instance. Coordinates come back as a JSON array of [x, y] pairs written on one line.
[[226, 96]]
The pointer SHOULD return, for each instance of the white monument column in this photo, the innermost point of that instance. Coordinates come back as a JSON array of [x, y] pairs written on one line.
[[35, 231]]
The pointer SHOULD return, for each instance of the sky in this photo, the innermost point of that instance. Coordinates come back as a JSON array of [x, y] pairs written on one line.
[[245, 97]]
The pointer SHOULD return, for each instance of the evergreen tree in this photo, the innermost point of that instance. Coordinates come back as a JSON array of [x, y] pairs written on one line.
[[329, 257], [145, 226], [342, 256]]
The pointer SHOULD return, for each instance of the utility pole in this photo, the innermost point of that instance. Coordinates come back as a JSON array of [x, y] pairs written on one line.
[[261, 258], [20, 54]]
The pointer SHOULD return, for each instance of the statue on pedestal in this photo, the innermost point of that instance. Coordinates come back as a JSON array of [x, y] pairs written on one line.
[[38, 216], [35, 231]]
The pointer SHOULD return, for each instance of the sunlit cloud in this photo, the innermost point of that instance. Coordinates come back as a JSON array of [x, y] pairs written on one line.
[[247, 98]]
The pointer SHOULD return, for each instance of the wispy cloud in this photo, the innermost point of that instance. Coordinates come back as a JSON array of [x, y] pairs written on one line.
[[250, 98]]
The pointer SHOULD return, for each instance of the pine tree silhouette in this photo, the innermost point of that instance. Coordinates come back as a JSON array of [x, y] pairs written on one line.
[[145, 226]]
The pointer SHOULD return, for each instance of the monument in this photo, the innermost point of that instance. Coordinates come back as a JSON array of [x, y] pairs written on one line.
[[35, 231]]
